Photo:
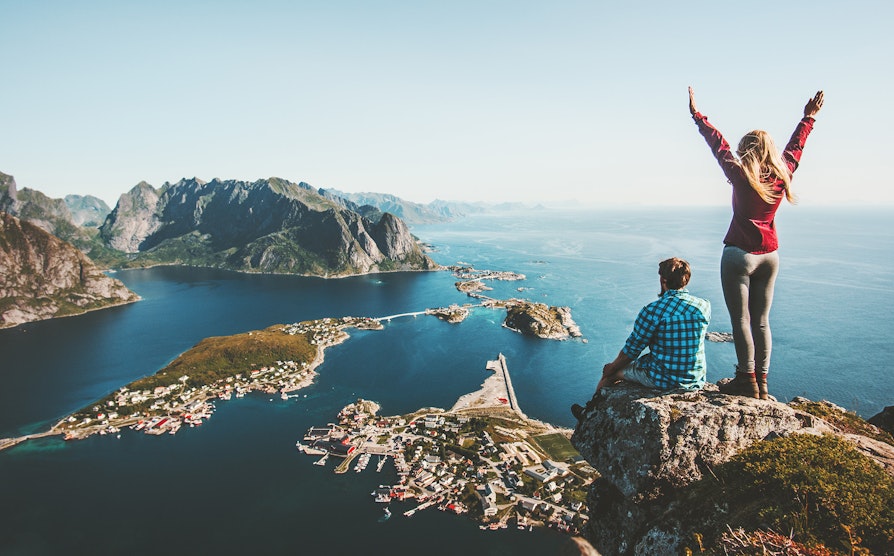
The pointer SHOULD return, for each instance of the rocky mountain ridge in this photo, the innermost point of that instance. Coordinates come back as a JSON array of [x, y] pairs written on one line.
[[268, 225], [45, 277]]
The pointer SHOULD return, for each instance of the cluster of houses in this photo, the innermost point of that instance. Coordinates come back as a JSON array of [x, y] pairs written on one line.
[[166, 408], [453, 462], [326, 331]]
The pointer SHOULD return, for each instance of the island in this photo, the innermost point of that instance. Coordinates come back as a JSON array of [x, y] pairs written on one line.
[[453, 314], [483, 458], [523, 316]]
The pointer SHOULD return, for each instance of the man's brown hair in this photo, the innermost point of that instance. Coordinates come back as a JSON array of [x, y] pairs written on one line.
[[675, 272]]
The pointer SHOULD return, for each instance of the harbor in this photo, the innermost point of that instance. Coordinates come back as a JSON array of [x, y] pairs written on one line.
[[483, 458]]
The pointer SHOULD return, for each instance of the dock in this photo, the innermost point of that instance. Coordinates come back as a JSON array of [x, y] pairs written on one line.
[[10, 442], [495, 392], [499, 366]]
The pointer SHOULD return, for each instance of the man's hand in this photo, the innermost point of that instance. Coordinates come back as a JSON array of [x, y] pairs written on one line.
[[609, 379], [613, 372], [692, 108], [813, 105]]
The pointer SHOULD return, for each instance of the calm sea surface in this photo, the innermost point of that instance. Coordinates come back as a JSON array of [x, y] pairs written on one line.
[[237, 484]]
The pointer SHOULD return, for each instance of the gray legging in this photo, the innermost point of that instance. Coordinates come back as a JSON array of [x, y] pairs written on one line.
[[748, 281]]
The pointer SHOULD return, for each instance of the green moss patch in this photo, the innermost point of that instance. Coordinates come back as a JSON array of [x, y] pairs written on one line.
[[819, 488]]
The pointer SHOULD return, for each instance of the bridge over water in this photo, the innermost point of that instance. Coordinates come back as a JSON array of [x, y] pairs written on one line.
[[399, 315]]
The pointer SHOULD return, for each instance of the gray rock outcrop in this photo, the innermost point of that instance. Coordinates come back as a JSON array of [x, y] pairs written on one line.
[[647, 447]]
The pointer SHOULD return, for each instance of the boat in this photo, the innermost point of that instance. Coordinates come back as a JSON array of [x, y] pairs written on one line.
[[387, 515], [322, 460]]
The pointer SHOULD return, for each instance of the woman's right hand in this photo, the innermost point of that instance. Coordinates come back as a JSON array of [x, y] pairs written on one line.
[[813, 105], [692, 108]]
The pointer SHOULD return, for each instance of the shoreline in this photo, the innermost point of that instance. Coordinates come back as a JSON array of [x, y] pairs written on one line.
[[120, 304], [438, 268], [56, 430]]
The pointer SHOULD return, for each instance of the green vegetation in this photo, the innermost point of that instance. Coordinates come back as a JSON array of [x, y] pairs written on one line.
[[190, 249], [818, 487], [219, 357], [843, 420], [556, 445]]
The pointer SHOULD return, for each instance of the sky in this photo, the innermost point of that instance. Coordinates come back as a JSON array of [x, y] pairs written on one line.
[[532, 102]]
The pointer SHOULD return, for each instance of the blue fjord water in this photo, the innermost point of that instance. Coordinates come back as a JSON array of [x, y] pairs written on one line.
[[237, 484]]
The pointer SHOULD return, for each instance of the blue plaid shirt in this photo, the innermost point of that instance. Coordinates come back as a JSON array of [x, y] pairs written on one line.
[[673, 328]]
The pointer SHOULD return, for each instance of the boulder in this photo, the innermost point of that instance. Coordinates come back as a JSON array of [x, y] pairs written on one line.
[[648, 446]]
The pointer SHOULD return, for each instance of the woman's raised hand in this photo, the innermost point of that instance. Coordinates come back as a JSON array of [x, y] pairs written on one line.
[[813, 105], [693, 109]]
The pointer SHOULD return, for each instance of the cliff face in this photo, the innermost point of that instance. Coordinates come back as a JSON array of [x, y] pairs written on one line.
[[8, 193], [265, 226], [133, 219], [649, 449], [44, 277]]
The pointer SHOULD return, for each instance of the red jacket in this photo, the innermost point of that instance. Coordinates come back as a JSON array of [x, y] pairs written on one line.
[[753, 227]]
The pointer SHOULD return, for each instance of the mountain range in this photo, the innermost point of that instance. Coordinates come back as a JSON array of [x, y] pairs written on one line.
[[269, 225]]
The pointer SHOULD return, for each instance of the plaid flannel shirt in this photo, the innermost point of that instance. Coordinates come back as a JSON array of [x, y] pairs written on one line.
[[673, 328]]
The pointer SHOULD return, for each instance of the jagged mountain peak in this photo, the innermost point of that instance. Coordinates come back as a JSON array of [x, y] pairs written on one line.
[[269, 225]]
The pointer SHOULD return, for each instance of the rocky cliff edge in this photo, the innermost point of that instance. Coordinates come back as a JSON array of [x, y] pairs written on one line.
[[43, 277], [648, 449]]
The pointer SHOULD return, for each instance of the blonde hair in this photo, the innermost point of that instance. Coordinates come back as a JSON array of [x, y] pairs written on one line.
[[763, 165]]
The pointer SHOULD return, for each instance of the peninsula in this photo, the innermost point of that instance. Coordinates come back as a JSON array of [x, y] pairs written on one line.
[[483, 457]]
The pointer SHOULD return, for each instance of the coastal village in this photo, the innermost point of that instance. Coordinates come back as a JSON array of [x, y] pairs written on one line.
[[482, 458], [185, 395], [177, 402]]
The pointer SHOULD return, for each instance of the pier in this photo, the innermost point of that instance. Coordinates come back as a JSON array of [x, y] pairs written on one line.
[[499, 366], [10, 442]]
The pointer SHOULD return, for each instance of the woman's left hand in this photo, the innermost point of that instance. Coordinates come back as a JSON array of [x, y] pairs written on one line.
[[692, 108]]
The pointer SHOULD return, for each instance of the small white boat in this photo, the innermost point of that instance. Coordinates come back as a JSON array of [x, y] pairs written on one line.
[[322, 460]]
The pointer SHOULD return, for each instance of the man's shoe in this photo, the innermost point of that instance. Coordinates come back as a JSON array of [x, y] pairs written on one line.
[[578, 411]]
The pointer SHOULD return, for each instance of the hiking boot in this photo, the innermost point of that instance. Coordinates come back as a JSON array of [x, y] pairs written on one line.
[[761, 378], [745, 384], [578, 411]]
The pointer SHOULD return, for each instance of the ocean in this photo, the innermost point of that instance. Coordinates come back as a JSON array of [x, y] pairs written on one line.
[[237, 484]]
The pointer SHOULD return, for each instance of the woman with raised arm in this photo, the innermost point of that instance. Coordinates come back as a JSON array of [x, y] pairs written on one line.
[[760, 177]]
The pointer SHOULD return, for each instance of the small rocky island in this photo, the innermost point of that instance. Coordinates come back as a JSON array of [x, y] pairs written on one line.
[[523, 316], [452, 314], [541, 320]]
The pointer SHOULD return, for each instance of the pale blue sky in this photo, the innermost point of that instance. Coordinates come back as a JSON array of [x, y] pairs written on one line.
[[483, 100]]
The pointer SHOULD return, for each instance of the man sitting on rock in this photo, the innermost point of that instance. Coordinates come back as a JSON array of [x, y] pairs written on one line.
[[673, 328]]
